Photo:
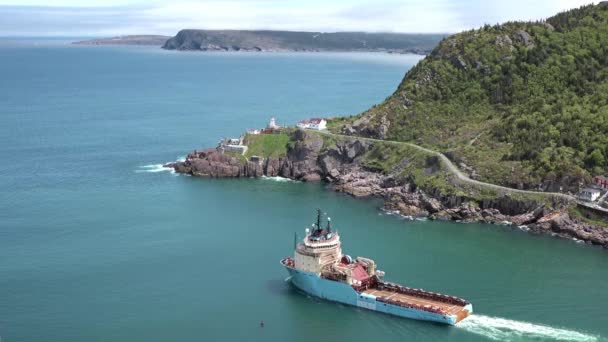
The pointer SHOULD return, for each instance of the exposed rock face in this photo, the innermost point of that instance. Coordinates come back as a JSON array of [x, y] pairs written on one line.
[[524, 37], [504, 41], [340, 165], [459, 62], [302, 156], [304, 160], [211, 163], [562, 224]]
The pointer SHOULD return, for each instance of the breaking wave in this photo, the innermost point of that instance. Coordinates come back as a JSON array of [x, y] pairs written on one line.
[[154, 168], [278, 179], [501, 329]]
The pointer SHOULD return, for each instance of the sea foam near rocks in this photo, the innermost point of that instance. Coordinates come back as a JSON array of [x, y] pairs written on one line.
[[154, 168]]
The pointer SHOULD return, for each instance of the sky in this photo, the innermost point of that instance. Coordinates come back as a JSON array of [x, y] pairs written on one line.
[[97, 18]]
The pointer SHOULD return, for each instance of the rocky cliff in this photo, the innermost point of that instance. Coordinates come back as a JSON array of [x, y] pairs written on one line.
[[239, 40], [342, 164]]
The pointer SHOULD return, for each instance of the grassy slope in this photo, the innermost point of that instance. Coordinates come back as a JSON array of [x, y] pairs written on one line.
[[517, 111], [266, 145]]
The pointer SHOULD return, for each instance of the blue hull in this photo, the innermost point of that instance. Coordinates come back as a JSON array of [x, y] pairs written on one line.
[[343, 293]]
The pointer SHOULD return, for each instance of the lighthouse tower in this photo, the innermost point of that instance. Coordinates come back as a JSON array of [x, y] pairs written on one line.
[[272, 123]]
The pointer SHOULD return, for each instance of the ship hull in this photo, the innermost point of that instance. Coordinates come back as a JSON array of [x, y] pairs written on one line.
[[336, 291]]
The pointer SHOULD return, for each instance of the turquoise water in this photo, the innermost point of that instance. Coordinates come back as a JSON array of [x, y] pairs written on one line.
[[100, 243]]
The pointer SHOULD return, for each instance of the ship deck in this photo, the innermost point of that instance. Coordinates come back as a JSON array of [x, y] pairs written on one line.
[[450, 309]]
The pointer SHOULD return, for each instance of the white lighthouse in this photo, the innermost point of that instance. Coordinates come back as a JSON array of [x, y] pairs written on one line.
[[272, 123]]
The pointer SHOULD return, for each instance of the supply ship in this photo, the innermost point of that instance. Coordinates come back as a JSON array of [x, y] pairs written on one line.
[[319, 268]]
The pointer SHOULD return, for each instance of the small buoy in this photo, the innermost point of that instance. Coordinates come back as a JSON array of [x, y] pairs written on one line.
[[261, 324]]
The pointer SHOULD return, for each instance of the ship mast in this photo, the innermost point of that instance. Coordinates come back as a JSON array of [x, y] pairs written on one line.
[[319, 228]]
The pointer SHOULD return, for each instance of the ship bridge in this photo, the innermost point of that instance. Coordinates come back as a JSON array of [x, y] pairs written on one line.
[[319, 248]]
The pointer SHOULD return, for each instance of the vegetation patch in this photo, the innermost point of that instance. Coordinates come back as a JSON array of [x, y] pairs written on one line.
[[427, 172], [334, 124], [587, 217], [522, 102], [266, 145]]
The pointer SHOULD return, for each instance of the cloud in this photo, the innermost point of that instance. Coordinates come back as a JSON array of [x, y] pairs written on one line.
[[67, 18]]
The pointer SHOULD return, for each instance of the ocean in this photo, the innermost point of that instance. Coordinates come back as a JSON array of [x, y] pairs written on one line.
[[99, 242]]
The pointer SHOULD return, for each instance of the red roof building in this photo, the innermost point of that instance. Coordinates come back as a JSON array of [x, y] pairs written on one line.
[[601, 181], [313, 123]]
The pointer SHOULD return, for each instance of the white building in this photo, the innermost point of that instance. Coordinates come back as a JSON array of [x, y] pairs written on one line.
[[254, 131], [589, 195], [232, 145], [234, 141], [272, 123], [314, 123], [241, 149]]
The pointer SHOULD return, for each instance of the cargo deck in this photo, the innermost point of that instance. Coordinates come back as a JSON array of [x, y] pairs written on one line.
[[450, 309]]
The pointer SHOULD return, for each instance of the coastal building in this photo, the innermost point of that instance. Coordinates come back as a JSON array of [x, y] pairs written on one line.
[[232, 145], [241, 149], [272, 127], [601, 181], [272, 124], [314, 123], [589, 194], [254, 131], [234, 141]]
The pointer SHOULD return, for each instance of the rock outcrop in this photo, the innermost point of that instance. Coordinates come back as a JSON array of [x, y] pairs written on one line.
[[307, 159]]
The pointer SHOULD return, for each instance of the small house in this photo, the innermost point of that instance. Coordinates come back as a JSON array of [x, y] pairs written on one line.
[[601, 181], [254, 131], [589, 194], [233, 141], [314, 123]]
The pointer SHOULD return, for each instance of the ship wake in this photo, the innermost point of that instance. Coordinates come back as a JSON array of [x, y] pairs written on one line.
[[501, 329]]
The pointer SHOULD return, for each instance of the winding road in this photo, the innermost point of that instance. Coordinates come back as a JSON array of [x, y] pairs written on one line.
[[456, 172]]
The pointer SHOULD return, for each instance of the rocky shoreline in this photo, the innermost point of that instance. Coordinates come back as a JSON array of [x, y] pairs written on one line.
[[307, 159]]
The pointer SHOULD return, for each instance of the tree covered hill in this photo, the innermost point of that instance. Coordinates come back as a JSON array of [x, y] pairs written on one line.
[[523, 104]]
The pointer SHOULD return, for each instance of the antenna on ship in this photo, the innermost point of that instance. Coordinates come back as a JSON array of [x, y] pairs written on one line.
[[329, 224], [319, 227]]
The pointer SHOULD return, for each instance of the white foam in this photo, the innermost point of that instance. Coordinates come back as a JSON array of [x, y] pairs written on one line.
[[181, 159], [501, 329], [153, 168], [397, 213], [277, 179]]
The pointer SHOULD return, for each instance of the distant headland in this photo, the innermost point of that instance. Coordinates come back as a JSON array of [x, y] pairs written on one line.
[[286, 41], [148, 39]]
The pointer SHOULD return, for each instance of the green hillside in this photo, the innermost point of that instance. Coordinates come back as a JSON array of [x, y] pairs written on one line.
[[520, 104]]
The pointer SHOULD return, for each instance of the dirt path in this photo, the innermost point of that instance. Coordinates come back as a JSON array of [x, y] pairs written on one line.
[[454, 170]]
